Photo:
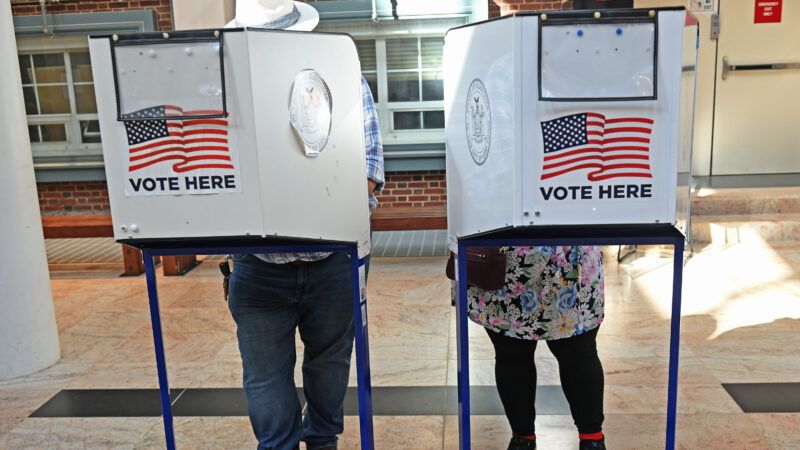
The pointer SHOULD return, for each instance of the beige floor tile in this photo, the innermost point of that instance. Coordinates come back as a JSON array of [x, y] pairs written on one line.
[[652, 399], [203, 433], [20, 402], [782, 431], [397, 432], [77, 433]]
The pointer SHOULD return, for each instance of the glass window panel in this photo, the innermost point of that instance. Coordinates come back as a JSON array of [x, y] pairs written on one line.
[[54, 132], [54, 99], [49, 68], [30, 100], [433, 119], [407, 120], [432, 49], [25, 69], [85, 101], [366, 53], [372, 80], [33, 132], [432, 86], [90, 131], [403, 87], [401, 54], [81, 66]]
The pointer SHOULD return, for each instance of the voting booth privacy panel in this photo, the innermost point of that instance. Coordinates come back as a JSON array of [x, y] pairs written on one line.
[[233, 134], [571, 118]]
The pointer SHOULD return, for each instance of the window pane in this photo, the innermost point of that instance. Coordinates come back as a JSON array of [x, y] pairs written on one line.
[[366, 53], [432, 52], [433, 119], [84, 99], [401, 54], [372, 80], [403, 87], [30, 100], [54, 99], [33, 132], [25, 69], [90, 131], [407, 120], [81, 66], [50, 68], [432, 86], [55, 132]]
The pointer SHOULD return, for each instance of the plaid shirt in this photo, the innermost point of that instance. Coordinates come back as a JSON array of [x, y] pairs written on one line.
[[374, 151]]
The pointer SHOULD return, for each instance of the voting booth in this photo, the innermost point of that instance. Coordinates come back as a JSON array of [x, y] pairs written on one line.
[[569, 128], [236, 141]]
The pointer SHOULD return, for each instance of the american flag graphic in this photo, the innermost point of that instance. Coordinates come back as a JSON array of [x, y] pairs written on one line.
[[608, 147], [187, 145]]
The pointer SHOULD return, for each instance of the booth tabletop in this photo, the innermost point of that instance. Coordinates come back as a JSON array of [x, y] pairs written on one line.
[[642, 234], [238, 244]]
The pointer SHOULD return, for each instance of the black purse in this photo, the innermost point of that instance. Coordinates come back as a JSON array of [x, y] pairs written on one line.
[[486, 268]]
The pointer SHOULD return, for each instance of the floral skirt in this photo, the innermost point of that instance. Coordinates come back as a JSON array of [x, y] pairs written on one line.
[[549, 293]]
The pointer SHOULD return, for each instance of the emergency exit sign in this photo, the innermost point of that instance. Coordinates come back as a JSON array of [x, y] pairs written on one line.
[[768, 11]]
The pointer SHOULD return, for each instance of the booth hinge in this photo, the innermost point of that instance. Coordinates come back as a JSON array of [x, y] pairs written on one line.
[[714, 26]]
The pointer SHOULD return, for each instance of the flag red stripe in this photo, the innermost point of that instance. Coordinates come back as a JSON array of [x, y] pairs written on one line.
[[628, 130], [220, 122], [600, 176], [631, 119], [177, 149], [178, 168], [546, 176], [594, 124], [627, 139], [594, 150], [595, 115], [594, 157], [181, 158]]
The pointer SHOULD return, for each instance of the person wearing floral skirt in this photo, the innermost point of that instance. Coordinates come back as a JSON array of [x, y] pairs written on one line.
[[555, 294]]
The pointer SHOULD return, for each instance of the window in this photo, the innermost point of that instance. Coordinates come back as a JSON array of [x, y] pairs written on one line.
[[60, 103], [405, 75]]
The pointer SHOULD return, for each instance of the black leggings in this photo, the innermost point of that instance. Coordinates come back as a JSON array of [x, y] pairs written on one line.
[[581, 379]]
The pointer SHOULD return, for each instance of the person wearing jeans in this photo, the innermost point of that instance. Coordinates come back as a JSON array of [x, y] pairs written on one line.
[[273, 296], [555, 294]]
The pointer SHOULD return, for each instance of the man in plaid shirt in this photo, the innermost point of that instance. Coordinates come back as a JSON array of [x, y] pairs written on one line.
[[271, 296]]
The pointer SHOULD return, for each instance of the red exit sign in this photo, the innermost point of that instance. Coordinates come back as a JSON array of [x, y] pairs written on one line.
[[768, 11]]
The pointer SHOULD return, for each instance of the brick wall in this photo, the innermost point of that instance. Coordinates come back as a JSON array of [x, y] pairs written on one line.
[[513, 6], [423, 188], [73, 197], [162, 8]]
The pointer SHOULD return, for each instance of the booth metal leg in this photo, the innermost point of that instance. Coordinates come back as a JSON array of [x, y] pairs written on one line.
[[674, 344], [158, 341], [462, 339], [358, 276]]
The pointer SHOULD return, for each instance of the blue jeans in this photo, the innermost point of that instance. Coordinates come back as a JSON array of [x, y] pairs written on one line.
[[268, 302]]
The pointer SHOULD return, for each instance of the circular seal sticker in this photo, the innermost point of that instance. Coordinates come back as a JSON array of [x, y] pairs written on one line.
[[310, 111], [478, 121]]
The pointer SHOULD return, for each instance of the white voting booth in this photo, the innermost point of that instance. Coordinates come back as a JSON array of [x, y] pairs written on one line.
[[233, 133], [567, 119], [569, 128], [236, 141]]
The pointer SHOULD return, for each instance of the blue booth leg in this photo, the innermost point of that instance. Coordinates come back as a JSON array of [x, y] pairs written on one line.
[[359, 279], [462, 338], [158, 341], [674, 344]]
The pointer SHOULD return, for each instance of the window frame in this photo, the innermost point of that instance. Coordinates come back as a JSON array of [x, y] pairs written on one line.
[[381, 31], [74, 147]]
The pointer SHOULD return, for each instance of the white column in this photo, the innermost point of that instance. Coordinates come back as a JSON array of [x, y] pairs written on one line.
[[28, 333]]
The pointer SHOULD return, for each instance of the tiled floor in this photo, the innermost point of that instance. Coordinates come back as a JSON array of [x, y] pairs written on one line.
[[741, 324]]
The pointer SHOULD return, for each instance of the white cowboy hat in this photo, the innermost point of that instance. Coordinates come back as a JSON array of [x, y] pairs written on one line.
[[275, 14]]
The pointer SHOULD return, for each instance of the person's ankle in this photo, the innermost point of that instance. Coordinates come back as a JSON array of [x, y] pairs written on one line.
[[529, 437], [591, 436]]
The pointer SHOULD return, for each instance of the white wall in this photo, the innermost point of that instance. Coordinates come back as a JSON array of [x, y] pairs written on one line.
[[199, 14], [706, 66]]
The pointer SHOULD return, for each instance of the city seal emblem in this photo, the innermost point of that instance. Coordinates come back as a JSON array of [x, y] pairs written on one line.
[[478, 121], [310, 111]]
